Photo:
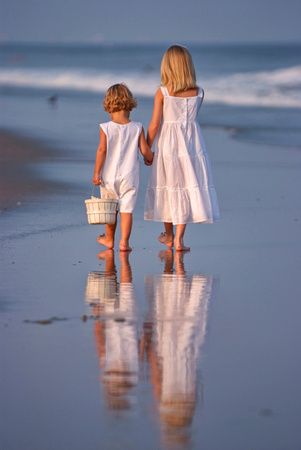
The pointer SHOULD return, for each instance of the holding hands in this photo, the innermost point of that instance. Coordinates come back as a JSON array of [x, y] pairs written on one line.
[[148, 161], [97, 181]]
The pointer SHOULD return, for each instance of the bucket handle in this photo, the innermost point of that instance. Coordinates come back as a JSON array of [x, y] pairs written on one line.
[[93, 190], [104, 190]]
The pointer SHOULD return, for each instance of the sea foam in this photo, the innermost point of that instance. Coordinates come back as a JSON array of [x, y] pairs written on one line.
[[274, 88]]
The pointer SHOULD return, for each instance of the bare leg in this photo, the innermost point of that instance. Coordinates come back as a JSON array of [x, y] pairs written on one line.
[[179, 263], [167, 237], [126, 220], [125, 268], [109, 271], [179, 239], [168, 229], [108, 257], [107, 239], [167, 257]]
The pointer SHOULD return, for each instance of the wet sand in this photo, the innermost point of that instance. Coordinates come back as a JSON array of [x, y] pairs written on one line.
[[155, 350], [19, 173]]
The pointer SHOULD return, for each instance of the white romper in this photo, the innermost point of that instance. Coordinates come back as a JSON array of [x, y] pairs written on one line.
[[180, 188], [120, 173]]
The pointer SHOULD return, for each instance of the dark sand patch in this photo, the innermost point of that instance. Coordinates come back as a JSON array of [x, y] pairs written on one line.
[[46, 321], [19, 177]]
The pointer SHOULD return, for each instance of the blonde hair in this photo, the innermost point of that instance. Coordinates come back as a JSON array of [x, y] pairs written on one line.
[[177, 69], [119, 98]]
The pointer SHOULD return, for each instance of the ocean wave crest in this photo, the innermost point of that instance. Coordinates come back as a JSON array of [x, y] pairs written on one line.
[[275, 88]]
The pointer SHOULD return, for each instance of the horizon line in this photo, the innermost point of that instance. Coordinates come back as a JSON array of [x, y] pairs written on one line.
[[146, 43]]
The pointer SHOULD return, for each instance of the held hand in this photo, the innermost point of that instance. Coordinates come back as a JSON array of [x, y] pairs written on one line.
[[97, 180], [148, 162]]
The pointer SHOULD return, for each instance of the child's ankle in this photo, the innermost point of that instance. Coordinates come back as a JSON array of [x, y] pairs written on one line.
[[124, 245], [169, 234]]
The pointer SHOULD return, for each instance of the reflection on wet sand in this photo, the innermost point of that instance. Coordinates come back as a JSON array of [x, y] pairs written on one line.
[[173, 335], [115, 329]]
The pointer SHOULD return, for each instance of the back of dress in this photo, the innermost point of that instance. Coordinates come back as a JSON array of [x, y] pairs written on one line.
[[181, 109], [180, 188]]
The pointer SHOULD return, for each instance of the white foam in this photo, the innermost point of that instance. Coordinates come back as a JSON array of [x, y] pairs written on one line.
[[86, 81], [277, 88]]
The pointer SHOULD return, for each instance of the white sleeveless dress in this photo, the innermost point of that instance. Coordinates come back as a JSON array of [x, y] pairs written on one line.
[[120, 173], [180, 188]]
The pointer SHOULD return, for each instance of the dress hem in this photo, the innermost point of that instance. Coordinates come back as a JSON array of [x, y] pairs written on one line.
[[203, 221]]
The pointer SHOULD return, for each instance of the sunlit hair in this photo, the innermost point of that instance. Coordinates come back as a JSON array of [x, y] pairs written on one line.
[[177, 69], [119, 98]]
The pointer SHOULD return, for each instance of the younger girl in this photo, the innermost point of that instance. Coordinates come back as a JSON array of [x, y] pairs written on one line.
[[117, 165], [180, 188]]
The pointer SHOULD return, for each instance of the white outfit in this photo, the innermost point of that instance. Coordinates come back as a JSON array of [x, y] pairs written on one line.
[[180, 309], [180, 188], [121, 337], [118, 311], [120, 172]]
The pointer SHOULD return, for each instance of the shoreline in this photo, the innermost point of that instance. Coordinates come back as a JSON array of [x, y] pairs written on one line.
[[19, 177]]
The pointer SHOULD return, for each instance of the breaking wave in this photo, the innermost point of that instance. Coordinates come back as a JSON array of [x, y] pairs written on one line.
[[279, 88]]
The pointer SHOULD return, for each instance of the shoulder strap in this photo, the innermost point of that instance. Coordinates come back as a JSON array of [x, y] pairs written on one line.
[[201, 94], [164, 91]]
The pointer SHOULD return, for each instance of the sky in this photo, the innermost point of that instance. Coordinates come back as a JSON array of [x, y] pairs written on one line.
[[154, 21]]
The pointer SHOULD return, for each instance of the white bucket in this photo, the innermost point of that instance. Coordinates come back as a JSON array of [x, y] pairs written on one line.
[[101, 210], [101, 287]]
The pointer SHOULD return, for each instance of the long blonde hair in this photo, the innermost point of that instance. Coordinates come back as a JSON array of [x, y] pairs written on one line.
[[177, 69]]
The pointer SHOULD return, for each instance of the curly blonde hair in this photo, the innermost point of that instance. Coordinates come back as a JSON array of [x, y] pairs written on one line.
[[119, 98], [177, 69]]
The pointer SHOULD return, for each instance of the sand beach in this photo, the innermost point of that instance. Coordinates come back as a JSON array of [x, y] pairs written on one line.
[[19, 176]]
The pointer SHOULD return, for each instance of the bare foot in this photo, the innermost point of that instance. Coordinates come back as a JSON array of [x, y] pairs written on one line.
[[166, 239], [103, 240], [105, 254], [180, 247], [124, 247]]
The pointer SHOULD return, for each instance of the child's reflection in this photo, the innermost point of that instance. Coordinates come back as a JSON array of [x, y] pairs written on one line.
[[173, 335], [116, 330]]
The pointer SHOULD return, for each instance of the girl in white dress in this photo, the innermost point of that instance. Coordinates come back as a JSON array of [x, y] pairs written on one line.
[[117, 165], [180, 188]]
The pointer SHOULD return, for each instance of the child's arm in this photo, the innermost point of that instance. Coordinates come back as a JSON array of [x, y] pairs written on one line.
[[144, 149], [155, 122], [100, 158]]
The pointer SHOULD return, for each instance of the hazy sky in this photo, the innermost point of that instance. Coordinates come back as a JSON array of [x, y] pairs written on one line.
[[142, 21]]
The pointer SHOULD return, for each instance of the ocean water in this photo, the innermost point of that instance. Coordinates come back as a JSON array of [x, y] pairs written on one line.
[[252, 90]]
